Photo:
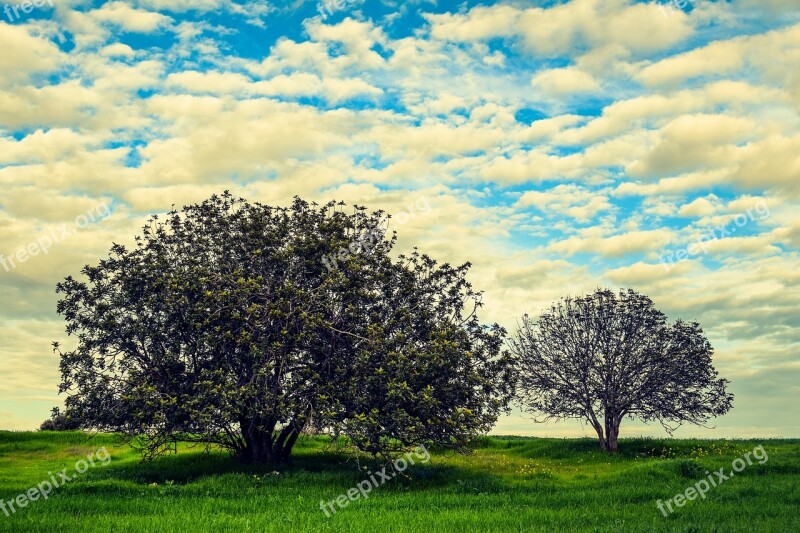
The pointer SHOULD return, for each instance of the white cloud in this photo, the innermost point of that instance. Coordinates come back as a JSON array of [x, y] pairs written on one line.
[[128, 18], [699, 207], [568, 27], [562, 81], [25, 55], [615, 245], [573, 201]]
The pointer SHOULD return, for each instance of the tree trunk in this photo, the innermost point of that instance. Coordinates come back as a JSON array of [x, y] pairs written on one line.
[[263, 445], [599, 429], [258, 439], [612, 432], [287, 438], [258, 448]]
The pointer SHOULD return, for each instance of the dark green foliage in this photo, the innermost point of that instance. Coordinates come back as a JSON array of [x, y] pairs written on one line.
[[225, 326], [59, 422]]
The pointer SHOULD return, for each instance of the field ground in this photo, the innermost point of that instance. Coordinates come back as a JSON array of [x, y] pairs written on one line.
[[509, 484]]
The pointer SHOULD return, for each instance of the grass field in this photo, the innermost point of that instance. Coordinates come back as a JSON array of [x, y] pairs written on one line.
[[509, 484]]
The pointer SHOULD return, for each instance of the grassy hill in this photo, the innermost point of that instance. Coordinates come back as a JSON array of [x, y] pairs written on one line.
[[509, 484]]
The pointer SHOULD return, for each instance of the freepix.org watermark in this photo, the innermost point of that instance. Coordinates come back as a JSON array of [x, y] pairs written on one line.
[[331, 6], [53, 236], [367, 239], [674, 5], [26, 7], [363, 488], [365, 242], [712, 234], [714, 479], [43, 489]]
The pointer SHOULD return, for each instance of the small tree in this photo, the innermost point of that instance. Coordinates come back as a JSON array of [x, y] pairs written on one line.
[[241, 325], [59, 422], [605, 357]]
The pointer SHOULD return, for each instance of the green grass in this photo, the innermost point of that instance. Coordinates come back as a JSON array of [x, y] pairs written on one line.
[[509, 484]]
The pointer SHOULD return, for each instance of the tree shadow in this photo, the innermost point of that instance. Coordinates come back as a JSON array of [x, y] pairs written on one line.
[[310, 468]]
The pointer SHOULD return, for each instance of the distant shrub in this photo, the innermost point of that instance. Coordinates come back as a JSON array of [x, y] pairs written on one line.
[[59, 422]]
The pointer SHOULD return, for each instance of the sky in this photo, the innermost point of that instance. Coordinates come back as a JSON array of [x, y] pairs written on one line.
[[557, 146]]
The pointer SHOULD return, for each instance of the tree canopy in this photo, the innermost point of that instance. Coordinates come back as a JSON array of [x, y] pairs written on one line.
[[225, 325], [603, 357]]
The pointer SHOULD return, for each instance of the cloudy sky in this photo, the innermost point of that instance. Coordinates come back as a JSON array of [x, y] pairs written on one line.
[[558, 146]]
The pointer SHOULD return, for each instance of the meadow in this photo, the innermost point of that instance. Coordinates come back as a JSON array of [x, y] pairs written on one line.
[[508, 484]]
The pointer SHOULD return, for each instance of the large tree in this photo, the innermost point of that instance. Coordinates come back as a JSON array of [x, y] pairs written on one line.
[[603, 357], [240, 325]]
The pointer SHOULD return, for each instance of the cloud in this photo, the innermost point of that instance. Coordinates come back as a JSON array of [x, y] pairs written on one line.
[[567, 200], [568, 27], [196, 82], [613, 245], [25, 55], [562, 81], [128, 18], [118, 50], [698, 207], [772, 53]]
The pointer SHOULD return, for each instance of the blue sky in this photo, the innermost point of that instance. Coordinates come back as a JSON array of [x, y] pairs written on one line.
[[561, 146]]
